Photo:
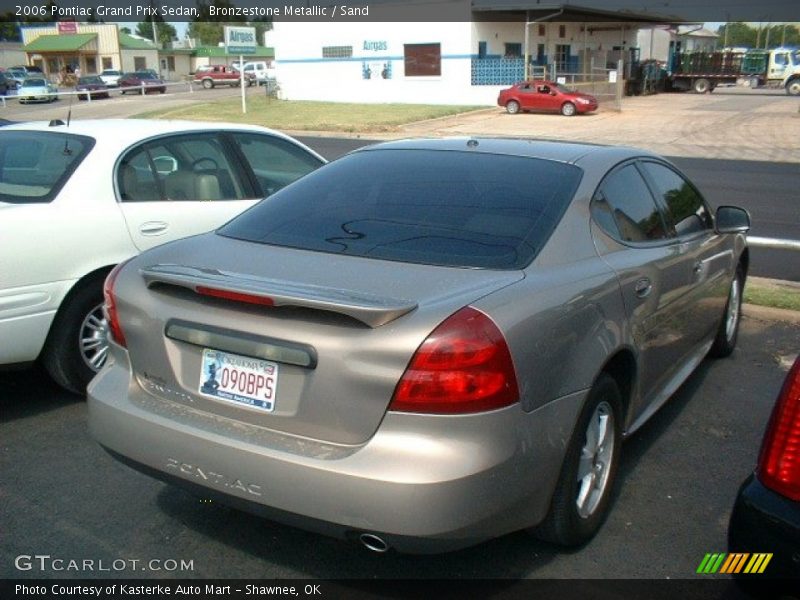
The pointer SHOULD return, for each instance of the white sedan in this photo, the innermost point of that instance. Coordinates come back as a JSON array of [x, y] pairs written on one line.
[[76, 200], [37, 89]]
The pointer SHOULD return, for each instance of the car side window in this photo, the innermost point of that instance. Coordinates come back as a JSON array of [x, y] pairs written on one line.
[[625, 209], [187, 167], [684, 205], [275, 162]]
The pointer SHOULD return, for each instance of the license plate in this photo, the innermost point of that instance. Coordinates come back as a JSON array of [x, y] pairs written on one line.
[[239, 379]]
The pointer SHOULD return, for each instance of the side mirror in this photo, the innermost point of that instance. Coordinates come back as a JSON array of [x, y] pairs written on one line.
[[732, 219]]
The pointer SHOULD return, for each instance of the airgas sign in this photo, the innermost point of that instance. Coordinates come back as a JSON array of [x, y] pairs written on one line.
[[240, 40]]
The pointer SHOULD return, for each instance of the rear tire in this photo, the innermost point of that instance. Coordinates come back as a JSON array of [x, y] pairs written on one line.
[[728, 331], [568, 109], [512, 107], [701, 86], [583, 493], [78, 335]]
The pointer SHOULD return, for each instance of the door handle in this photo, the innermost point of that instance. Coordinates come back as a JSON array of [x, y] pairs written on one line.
[[698, 268], [153, 228], [643, 287]]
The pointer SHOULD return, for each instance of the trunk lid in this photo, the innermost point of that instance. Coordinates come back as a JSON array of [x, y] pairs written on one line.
[[338, 331]]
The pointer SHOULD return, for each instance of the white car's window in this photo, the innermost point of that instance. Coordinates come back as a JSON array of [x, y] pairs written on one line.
[[186, 167], [275, 162], [34, 165]]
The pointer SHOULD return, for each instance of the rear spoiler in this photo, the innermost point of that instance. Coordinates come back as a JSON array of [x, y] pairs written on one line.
[[373, 311]]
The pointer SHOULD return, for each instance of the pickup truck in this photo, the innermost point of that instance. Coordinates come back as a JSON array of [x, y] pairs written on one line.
[[214, 75]]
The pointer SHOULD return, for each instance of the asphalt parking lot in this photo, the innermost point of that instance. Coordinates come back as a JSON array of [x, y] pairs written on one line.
[[62, 496]]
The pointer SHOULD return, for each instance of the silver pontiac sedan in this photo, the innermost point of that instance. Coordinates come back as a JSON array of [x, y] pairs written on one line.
[[424, 344]]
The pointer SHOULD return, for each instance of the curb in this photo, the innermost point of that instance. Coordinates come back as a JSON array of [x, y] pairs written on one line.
[[766, 313]]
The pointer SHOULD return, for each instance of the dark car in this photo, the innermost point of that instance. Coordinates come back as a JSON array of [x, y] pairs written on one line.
[[547, 96], [93, 85], [766, 516], [138, 80]]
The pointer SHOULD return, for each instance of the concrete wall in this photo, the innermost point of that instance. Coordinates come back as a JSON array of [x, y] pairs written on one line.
[[303, 73], [11, 54], [129, 59], [378, 48]]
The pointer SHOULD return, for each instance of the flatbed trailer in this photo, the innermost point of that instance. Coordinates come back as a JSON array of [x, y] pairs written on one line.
[[704, 71]]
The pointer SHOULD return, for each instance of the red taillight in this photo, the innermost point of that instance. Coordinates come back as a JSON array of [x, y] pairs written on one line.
[[235, 296], [110, 306], [779, 461], [464, 366]]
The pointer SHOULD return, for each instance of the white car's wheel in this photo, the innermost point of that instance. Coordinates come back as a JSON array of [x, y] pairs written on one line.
[[77, 345]]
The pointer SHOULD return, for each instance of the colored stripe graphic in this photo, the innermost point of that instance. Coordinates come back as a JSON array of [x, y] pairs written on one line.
[[733, 563]]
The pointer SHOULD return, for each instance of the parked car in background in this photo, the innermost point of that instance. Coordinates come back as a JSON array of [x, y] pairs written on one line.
[[111, 77], [29, 70], [213, 75], [37, 89], [16, 77], [5, 84], [93, 86], [545, 96], [78, 199], [766, 515], [446, 340], [259, 71], [147, 80]]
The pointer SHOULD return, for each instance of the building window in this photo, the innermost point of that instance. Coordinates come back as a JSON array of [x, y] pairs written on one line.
[[562, 31], [107, 63], [337, 51], [542, 30], [170, 63], [91, 65], [513, 51], [139, 63], [422, 60], [562, 57], [481, 49]]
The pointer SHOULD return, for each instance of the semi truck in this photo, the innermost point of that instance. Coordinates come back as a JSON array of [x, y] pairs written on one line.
[[703, 71]]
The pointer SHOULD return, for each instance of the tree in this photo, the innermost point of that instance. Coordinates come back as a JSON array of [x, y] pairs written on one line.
[[166, 32], [767, 36], [125, 30]]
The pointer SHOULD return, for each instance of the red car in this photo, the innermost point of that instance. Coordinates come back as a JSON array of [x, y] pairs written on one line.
[[142, 79], [545, 96]]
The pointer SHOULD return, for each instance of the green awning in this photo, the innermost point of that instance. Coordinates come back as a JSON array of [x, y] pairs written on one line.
[[217, 52], [128, 42], [60, 43]]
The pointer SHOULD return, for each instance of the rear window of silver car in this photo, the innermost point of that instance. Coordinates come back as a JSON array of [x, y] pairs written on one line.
[[34, 165], [435, 207]]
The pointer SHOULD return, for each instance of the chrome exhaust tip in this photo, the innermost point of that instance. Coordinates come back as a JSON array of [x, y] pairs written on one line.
[[373, 542]]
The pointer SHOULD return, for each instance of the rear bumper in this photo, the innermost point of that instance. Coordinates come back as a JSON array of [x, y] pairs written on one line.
[[765, 522], [417, 485]]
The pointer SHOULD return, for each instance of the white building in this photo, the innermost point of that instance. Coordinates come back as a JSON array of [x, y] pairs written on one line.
[[465, 62]]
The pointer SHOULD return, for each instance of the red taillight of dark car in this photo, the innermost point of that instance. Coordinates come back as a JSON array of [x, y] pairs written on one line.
[[110, 306], [779, 461], [464, 366]]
